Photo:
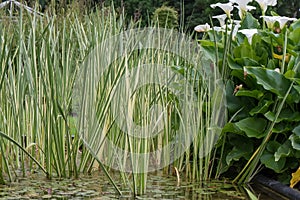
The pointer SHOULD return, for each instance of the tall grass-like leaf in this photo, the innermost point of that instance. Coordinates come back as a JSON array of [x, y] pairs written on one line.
[[3, 135]]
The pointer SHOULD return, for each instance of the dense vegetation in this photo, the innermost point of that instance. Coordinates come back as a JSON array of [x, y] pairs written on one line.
[[41, 59], [191, 12]]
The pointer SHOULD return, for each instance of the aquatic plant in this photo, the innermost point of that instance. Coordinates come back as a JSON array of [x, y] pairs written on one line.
[[39, 62], [262, 88], [47, 80]]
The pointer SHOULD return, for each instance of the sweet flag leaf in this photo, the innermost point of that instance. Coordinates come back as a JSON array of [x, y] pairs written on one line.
[[252, 126], [270, 80]]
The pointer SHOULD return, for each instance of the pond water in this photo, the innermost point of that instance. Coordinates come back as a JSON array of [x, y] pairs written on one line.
[[96, 186]]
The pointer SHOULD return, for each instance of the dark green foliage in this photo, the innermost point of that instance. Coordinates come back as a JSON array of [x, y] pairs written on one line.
[[167, 17], [191, 12]]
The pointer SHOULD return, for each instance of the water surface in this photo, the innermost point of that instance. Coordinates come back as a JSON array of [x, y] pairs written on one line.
[[96, 186]]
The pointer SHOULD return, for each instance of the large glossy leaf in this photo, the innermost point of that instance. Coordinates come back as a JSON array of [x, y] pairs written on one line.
[[270, 80], [249, 22], [252, 126], [295, 24], [295, 138], [245, 61], [295, 36], [283, 150], [237, 105], [245, 54], [236, 153], [233, 64], [297, 130], [297, 88], [231, 128], [242, 148], [272, 146], [257, 94], [285, 115], [262, 107], [268, 159], [282, 127], [295, 141]]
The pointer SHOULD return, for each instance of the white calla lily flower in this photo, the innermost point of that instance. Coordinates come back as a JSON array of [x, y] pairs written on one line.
[[241, 3], [237, 22], [235, 31], [202, 28], [283, 20], [270, 21], [277, 70], [226, 7], [218, 29], [243, 10], [249, 33], [221, 19], [265, 3]]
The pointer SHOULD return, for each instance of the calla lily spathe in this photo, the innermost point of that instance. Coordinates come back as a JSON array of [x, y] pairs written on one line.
[[241, 3], [202, 28], [270, 20], [242, 6], [243, 10], [283, 20], [265, 3], [249, 33], [221, 19], [226, 7]]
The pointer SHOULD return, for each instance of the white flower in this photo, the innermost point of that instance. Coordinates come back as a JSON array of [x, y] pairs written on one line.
[[235, 30], [270, 20], [229, 27], [283, 20], [243, 10], [237, 22], [226, 7], [221, 19], [202, 28], [234, 24], [265, 3], [277, 70], [218, 29], [249, 33], [241, 3]]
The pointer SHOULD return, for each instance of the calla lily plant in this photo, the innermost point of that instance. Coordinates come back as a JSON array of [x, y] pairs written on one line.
[[260, 65]]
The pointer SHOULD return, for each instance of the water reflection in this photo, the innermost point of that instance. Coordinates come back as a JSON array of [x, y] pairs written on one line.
[[96, 186]]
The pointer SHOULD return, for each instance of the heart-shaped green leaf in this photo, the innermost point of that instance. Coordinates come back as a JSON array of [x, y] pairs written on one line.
[[252, 126], [268, 159], [257, 94], [270, 80], [283, 150]]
